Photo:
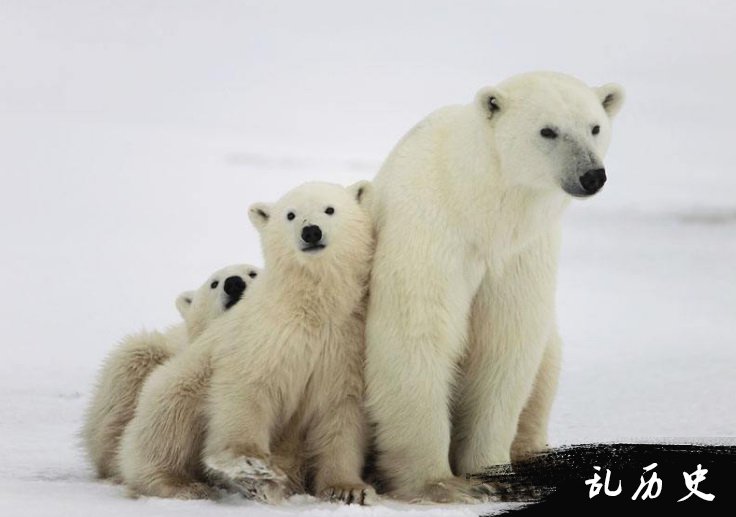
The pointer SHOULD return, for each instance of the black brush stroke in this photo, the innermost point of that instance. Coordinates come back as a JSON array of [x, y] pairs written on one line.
[[554, 483]]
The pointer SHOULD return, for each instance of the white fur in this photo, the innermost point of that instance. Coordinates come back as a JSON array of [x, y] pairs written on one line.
[[462, 349], [272, 393], [129, 365]]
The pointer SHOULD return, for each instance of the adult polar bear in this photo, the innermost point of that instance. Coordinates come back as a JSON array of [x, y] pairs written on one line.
[[462, 348]]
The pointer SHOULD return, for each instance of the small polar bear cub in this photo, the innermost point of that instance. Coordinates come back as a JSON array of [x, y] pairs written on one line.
[[129, 365], [296, 368], [271, 395]]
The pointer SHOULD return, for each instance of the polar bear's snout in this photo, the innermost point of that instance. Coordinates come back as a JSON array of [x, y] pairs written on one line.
[[593, 180], [586, 181], [234, 287], [312, 238]]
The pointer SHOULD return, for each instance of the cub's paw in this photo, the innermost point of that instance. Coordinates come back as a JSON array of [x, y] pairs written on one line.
[[235, 467], [262, 490], [363, 495], [252, 476], [451, 490]]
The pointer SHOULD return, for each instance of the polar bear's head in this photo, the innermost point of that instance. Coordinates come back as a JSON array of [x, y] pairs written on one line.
[[550, 130], [223, 289], [315, 224]]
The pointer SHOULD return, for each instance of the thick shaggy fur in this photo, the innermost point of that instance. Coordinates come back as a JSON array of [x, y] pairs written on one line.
[[462, 349], [269, 401], [129, 365]]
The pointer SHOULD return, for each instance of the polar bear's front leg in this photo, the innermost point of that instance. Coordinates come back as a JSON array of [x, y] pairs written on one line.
[[237, 449], [416, 333], [337, 437], [337, 440], [511, 322], [531, 434]]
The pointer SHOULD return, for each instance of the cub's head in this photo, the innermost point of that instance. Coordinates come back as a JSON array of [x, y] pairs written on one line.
[[551, 131], [222, 290], [315, 224]]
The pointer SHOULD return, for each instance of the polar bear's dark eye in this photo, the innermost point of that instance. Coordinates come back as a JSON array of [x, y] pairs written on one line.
[[596, 130], [329, 210], [290, 216], [214, 284], [548, 133], [252, 274]]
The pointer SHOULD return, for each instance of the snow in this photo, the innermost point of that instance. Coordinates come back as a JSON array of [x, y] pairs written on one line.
[[133, 136]]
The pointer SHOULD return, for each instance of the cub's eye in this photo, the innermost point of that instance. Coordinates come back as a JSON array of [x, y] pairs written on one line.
[[252, 274], [290, 216], [214, 284], [596, 130], [329, 210], [548, 133]]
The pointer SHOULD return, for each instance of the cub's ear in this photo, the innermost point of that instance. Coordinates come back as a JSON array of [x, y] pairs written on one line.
[[491, 100], [184, 303], [259, 214], [611, 96], [361, 191]]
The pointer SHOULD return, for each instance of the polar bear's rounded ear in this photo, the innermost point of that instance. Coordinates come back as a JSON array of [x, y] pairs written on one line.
[[259, 214], [184, 303], [611, 96], [490, 100], [361, 191]]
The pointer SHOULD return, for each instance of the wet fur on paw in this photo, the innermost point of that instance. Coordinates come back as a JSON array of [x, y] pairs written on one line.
[[253, 477]]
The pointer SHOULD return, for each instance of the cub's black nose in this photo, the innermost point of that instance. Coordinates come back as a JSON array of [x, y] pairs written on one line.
[[593, 180], [234, 286], [311, 234]]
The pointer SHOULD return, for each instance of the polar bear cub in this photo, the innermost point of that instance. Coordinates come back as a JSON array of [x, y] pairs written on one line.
[[129, 365], [271, 395]]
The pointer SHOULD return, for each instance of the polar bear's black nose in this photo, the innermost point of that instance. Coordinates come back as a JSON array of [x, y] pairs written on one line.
[[593, 180], [234, 286], [311, 234]]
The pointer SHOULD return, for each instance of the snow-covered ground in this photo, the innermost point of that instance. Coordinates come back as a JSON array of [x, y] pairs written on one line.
[[133, 136]]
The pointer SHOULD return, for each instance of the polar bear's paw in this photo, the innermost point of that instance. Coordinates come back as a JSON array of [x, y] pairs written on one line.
[[252, 476], [451, 490], [363, 495], [243, 467], [261, 490]]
